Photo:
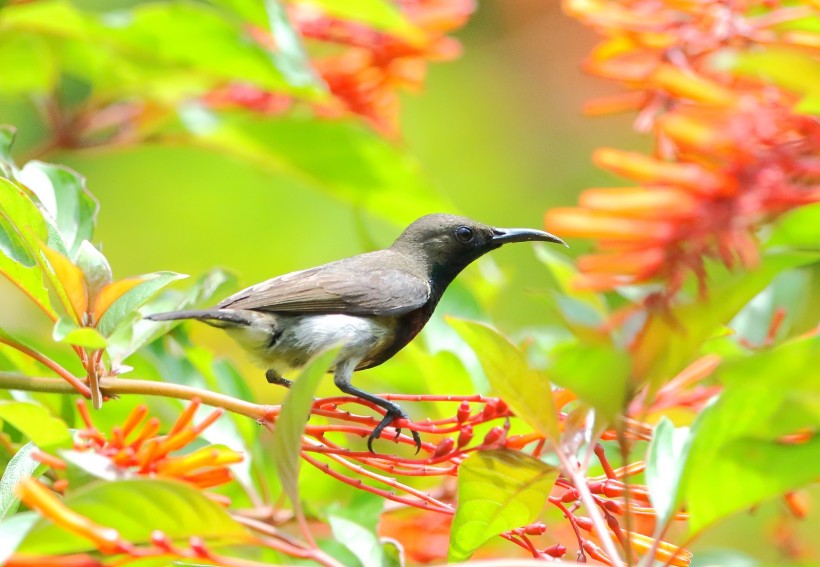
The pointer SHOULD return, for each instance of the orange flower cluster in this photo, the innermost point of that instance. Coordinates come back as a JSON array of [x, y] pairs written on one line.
[[146, 453], [730, 152], [367, 67]]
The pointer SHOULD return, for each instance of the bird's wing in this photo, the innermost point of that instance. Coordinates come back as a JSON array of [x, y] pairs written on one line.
[[363, 285]]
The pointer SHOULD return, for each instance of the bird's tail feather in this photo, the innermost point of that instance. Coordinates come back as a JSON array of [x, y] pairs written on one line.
[[214, 317]]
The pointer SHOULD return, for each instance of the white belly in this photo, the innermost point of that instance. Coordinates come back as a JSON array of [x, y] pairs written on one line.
[[298, 338]]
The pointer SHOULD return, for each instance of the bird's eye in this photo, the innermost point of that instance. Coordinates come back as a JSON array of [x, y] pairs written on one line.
[[464, 234]]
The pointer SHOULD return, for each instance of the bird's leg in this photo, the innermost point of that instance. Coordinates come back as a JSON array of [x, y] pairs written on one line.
[[342, 378], [273, 377]]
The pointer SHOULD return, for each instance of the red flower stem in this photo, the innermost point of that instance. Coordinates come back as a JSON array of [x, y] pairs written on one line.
[[75, 382], [391, 482], [424, 504], [601, 454], [573, 471], [569, 516], [280, 541]]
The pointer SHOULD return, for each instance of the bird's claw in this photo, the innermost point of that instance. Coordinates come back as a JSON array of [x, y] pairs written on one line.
[[389, 418], [274, 377]]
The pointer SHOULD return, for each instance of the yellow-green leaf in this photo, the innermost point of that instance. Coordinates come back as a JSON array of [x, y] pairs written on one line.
[[526, 390], [497, 491]]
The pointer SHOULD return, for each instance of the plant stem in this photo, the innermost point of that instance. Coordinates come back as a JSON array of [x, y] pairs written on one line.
[[580, 482], [72, 382], [115, 386]]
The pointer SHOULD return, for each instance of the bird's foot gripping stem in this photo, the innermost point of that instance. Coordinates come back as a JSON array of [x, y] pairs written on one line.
[[273, 377], [394, 412]]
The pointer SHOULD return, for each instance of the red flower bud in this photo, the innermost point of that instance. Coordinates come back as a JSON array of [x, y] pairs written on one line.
[[444, 447], [463, 412], [465, 436], [556, 551], [493, 436]]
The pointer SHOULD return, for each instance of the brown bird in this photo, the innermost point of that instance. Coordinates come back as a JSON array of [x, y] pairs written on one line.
[[372, 304]]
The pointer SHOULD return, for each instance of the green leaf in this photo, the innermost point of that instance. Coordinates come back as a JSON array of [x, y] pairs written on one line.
[[789, 69], [12, 532], [132, 299], [197, 37], [671, 339], [17, 211], [136, 508], [738, 458], [598, 374], [68, 206], [6, 141], [342, 158], [799, 228], [362, 542], [584, 308], [379, 14], [95, 267], [67, 331], [290, 425], [497, 491], [19, 467], [36, 423], [665, 460], [525, 390], [26, 65], [168, 51]]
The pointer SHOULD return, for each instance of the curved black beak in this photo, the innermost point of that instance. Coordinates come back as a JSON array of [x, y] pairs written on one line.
[[506, 235]]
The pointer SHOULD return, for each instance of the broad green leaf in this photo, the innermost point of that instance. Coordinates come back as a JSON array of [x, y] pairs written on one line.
[[598, 374], [68, 206], [290, 425], [18, 262], [361, 541], [95, 267], [738, 457], [791, 288], [790, 69], [136, 508], [67, 331], [68, 282], [19, 467], [799, 228], [172, 50], [576, 307], [342, 158], [26, 65], [36, 423], [380, 14], [12, 532], [525, 390], [197, 37], [6, 141], [665, 460], [497, 491], [136, 296], [669, 340], [19, 217], [49, 17]]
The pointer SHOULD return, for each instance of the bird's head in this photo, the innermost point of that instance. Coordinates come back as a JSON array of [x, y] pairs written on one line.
[[448, 243]]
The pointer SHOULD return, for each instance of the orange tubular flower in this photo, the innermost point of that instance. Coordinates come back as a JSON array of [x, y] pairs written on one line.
[[730, 153], [36, 496], [145, 452]]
